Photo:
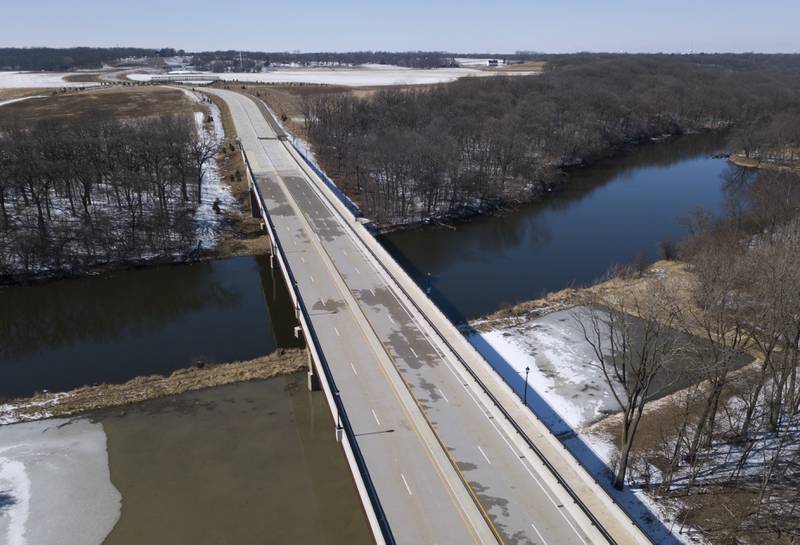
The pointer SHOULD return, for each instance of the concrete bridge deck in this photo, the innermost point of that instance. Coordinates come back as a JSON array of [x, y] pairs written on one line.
[[451, 453]]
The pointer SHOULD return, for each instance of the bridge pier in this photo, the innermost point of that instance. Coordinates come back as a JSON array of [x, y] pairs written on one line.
[[255, 207], [313, 378]]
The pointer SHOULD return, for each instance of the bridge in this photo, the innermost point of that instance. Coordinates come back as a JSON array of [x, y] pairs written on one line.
[[442, 451]]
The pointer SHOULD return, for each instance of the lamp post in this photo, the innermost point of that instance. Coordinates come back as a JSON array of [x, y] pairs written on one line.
[[525, 394]]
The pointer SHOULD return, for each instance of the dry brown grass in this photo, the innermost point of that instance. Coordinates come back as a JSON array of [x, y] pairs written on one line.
[[675, 274], [741, 161], [118, 102], [83, 77], [8, 94], [89, 398]]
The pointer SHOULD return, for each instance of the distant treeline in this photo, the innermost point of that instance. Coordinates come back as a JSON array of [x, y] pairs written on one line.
[[93, 191], [477, 143], [45, 58], [255, 60]]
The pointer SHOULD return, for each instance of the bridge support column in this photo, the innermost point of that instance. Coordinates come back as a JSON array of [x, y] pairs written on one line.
[[313, 378]]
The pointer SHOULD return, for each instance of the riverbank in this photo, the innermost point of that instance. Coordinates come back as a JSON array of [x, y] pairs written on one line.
[[89, 398], [739, 159]]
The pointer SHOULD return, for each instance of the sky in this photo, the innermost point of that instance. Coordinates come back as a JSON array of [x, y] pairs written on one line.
[[551, 26]]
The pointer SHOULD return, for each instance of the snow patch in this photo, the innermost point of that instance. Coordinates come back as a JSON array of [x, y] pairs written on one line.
[[17, 80]]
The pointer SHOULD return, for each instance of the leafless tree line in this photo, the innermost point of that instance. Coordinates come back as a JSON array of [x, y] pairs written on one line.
[[93, 191], [728, 426], [478, 143]]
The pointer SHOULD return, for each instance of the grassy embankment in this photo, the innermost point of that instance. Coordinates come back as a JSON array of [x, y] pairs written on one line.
[[89, 398]]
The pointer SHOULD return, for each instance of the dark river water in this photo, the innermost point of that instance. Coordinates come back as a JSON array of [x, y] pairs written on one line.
[[607, 214], [114, 327]]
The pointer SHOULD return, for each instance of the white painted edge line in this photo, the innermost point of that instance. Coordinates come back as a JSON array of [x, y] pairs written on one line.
[[484, 455], [405, 482]]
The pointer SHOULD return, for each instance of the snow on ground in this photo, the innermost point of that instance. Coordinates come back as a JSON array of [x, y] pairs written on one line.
[[14, 80], [209, 222], [567, 391], [55, 484], [20, 99], [9, 415], [361, 76], [564, 374]]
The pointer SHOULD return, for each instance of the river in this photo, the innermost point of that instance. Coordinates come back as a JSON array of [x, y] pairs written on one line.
[[114, 327], [606, 214]]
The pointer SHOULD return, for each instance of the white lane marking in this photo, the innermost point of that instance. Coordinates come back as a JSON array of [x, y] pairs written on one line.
[[312, 279], [344, 252], [302, 260], [441, 393], [372, 292], [405, 482], [538, 533], [484, 455], [375, 416], [391, 319], [353, 367], [413, 351], [337, 332], [357, 271]]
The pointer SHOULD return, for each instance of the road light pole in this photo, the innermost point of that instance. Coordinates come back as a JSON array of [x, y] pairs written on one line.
[[525, 394]]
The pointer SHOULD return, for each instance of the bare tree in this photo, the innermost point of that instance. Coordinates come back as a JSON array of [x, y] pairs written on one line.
[[633, 343]]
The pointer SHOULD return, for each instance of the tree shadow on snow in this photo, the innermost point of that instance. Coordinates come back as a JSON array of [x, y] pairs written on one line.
[[583, 452]]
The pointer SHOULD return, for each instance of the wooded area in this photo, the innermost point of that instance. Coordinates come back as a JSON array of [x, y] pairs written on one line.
[[479, 143], [732, 437], [97, 190], [46, 58]]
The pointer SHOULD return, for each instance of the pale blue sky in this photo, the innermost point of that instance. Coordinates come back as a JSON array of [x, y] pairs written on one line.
[[347, 25]]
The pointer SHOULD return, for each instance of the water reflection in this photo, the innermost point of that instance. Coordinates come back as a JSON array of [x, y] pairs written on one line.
[[111, 328], [606, 214]]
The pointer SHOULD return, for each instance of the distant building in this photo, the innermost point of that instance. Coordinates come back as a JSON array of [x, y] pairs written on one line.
[[493, 62]]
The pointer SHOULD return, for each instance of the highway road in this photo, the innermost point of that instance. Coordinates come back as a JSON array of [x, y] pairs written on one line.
[[447, 469]]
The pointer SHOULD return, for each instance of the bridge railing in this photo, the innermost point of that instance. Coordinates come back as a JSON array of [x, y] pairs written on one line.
[[342, 420]]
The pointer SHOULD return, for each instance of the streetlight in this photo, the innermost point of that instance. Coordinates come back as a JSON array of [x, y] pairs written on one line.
[[525, 394]]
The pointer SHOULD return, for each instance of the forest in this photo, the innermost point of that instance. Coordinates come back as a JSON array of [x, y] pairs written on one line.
[[481, 143], [46, 58], [97, 190], [255, 60], [725, 447]]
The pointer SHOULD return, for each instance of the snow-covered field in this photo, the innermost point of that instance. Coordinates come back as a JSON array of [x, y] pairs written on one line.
[[360, 76], [15, 80], [55, 484], [566, 384]]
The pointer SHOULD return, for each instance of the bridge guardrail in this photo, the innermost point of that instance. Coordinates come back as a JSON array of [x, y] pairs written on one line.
[[342, 418]]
